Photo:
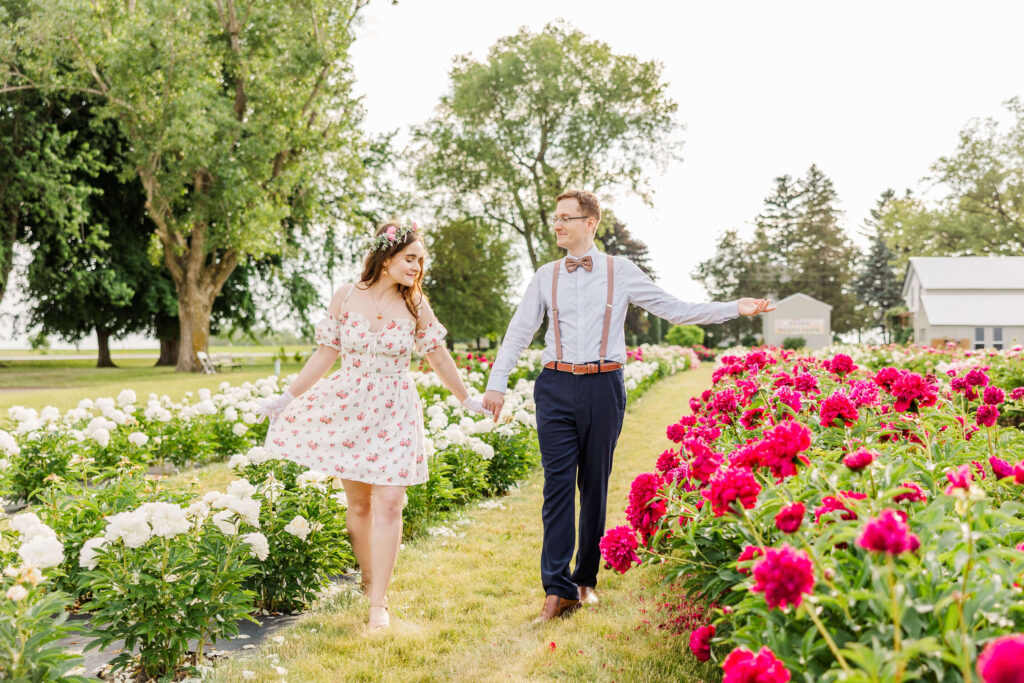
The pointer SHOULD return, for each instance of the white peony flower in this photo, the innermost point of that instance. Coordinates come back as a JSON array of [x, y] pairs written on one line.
[[85, 404], [49, 414], [167, 519], [87, 557], [241, 488], [230, 414], [17, 593], [42, 552], [138, 439], [239, 429], [126, 397], [299, 527], [104, 405], [7, 444], [205, 407], [312, 479], [258, 545], [131, 527], [24, 522], [249, 509], [238, 461], [250, 418], [28, 426], [222, 520], [101, 436], [258, 455]]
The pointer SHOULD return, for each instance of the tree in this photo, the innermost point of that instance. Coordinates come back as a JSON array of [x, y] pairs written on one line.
[[733, 269], [239, 115], [877, 284], [616, 240], [468, 278], [544, 112]]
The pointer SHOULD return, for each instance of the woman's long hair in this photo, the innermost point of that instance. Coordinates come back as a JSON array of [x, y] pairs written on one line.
[[373, 267]]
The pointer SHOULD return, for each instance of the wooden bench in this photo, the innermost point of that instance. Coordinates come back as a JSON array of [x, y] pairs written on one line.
[[211, 364]]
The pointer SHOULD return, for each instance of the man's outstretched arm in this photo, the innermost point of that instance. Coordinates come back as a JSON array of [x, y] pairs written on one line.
[[518, 336]]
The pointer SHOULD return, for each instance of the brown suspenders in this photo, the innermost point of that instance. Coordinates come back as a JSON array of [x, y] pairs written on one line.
[[607, 316]]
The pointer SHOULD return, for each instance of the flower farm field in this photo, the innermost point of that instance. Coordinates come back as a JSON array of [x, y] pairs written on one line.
[[63, 383], [462, 605]]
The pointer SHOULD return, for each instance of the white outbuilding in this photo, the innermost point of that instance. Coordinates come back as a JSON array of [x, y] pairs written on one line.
[[799, 315], [974, 301]]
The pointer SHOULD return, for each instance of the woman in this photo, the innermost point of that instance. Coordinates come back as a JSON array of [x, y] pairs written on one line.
[[364, 423]]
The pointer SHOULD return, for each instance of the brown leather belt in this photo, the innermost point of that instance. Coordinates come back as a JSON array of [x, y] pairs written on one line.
[[582, 368]]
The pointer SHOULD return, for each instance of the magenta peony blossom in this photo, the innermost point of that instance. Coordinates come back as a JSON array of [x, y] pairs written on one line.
[[751, 418], [743, 666], [645, 507], [993, 396], [860, 459], [1000, 661], [806, 383], [841, 364], [618, 548], [986, 415], [781, 447], [833, 504], [700, 642], [976, 378], [783, 575], [888, 533], [912, 391], [1000, 468], [959, 478], [887, 377], [915, 494], [790, 517], [838, 405], [668, 460], [1018, 472], [733, 484], [863, 393], [787, 396], [1017, 394], [750, 552]]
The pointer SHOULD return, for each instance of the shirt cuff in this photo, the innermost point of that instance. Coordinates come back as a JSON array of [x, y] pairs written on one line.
[[730, 310], [497, 383]]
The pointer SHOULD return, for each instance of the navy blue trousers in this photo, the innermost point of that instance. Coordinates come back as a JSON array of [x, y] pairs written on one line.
[[579, 418]]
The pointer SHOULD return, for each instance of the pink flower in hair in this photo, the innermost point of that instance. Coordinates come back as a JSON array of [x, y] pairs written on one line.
[[390, 232]]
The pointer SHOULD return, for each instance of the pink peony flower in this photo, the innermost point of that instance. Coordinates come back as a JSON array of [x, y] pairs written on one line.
[[751, 419], [841, 364], [781, 447], [1017, 394], [787, 396], [860, 459], [1000, 661], [790, 517], [838, 405], [986, 415], [959, 478], [733, 484], [618, 548], [1018, 472], [887, 377], [833, 504], [783, 575], [390, 232], [645, 507], [700, 642], [863, 393], [750, 552], [976, 378], [888, 533], [912, 391], [668, 460], [993, 396], [1000, 468], [806, 384], [915, 494], [743, 666]]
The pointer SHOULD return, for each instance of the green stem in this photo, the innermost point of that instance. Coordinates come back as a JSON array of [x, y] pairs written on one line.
[[965, 665], [828, 638], [750, 524], [897, 613]]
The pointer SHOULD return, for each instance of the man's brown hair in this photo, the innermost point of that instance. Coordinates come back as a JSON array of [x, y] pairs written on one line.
[[587, 201]]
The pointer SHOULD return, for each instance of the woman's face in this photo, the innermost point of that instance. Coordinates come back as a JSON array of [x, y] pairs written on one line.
[[404, 266]]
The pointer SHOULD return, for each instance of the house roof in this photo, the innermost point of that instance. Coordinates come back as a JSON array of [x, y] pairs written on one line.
[[799, 296], [968, 272], [981, 310]]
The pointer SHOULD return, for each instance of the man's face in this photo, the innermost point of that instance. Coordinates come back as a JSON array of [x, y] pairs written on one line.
[[573, 229]]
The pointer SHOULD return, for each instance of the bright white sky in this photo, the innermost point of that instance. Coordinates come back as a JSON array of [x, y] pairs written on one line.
[[873, 92]]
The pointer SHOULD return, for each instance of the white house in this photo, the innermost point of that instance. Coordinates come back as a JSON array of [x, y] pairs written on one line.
[[799, 315], [975, 301]]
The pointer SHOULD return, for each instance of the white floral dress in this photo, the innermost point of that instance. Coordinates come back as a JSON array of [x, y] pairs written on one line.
[[365, 422]]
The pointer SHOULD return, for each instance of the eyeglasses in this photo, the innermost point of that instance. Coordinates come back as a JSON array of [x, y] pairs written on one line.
[[565, 219]]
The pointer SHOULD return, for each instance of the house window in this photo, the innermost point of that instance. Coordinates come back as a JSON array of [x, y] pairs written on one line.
[[997, 337], [979, 337]]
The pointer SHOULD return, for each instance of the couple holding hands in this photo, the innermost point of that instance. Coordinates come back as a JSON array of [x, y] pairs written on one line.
[[364, 423]]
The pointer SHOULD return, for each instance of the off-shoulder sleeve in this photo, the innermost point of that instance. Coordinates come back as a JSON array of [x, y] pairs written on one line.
[[430, 338], [328, 332]]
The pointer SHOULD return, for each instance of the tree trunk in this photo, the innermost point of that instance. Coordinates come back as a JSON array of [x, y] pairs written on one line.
[[168, 352], [195, 303], [103, 341]]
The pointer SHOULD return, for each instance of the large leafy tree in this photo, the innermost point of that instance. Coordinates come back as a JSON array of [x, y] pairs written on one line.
[[238, 114], [543, 112], [468, 278]]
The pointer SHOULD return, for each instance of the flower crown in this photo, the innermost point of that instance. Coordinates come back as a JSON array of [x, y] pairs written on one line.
[[393, 235]]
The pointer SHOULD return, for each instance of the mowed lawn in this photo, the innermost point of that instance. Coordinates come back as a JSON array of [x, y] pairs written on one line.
[[63, 383], [462, 605]]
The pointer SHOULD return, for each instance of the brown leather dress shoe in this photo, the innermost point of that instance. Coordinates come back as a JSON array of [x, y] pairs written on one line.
[[556, 606], [588, 596]]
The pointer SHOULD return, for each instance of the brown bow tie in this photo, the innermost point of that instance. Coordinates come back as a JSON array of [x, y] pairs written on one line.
[[571, 264]]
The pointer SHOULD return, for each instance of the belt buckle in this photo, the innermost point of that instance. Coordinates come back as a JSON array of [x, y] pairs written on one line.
[[582, 365]]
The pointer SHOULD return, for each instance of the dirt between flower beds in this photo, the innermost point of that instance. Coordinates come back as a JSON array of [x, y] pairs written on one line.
[[250, 636]]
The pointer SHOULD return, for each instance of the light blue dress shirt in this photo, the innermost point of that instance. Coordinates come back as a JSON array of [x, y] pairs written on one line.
[[582, 297]]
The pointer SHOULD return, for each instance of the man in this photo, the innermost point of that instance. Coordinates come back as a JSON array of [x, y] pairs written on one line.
[[580, 395]]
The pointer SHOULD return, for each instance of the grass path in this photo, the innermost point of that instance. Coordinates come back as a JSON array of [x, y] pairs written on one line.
[[462, 606]]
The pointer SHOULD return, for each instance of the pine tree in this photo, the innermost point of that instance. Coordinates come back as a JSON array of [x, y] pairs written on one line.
[[878, 285]]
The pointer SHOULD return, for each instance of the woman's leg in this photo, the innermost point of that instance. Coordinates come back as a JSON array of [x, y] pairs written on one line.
[[359, 519], [386, 537]]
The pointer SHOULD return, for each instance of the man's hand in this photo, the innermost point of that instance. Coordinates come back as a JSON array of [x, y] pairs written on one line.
[[493, 401], [748, 306]]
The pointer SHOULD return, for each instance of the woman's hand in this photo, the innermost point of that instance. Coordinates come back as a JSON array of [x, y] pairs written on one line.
[[272, 408], [475, 405]]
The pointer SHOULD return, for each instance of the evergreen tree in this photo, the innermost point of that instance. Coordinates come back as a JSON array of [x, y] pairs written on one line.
[[616, 240], [878, 284]]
